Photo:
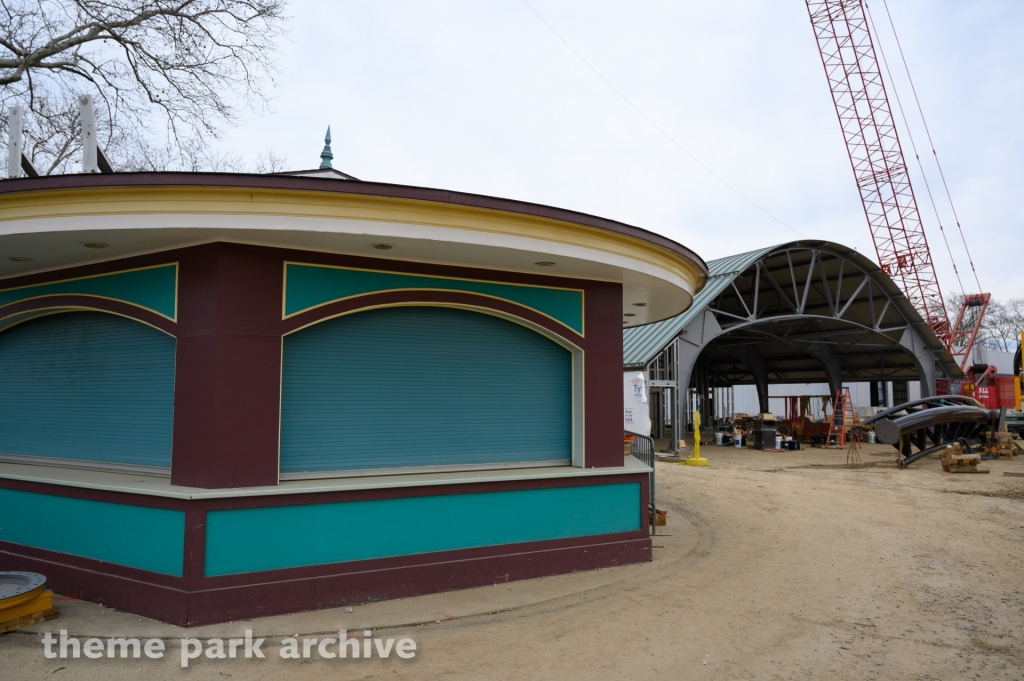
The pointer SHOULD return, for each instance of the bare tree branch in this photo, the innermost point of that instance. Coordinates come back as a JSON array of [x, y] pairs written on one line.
[[185, 61], [1000, 329], [271, 161]]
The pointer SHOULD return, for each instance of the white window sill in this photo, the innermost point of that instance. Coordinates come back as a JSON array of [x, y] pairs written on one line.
[[161, 487]]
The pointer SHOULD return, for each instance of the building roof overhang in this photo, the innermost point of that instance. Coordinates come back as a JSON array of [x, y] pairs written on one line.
[[46, 219]]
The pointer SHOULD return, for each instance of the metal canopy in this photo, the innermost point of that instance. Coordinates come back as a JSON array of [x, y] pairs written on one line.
[[641, 344], [800, 312]]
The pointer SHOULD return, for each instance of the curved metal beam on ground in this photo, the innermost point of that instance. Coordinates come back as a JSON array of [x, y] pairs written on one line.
[[926, 403], [906, 461], [890, 431], [942, 425]]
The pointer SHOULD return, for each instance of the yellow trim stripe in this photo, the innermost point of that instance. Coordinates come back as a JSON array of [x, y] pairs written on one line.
[[63, 203]]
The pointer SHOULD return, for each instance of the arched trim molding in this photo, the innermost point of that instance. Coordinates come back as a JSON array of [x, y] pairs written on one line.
[[308, 287], [16, 313], [146, 294], [505, 309], [482, 304]]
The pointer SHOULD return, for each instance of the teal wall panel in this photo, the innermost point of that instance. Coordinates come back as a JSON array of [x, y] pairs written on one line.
[[87, 385], [154, 288], [246, 540], [311, 285], [422, 386], [136, 536]]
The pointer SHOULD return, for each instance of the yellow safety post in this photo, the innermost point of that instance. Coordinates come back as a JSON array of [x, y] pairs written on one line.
[[1017, 385], [695, 459]]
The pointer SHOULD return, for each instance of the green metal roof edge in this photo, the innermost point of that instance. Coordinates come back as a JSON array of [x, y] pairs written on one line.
[[641, 344]]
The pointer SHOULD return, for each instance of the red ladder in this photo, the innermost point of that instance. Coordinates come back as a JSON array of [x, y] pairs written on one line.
[[843, 418]]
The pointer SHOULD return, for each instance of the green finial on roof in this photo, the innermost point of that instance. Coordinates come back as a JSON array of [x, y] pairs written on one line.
[[326, 156]]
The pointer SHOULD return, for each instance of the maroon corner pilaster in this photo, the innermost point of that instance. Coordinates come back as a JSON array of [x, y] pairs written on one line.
[[228, 367], [195, 545], [603, 375]]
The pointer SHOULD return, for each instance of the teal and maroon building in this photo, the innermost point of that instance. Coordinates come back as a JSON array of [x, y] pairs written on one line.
[[227, 396]]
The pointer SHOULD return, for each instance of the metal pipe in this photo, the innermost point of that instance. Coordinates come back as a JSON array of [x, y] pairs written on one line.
[[925, 403], [903, 463], [890, 431]]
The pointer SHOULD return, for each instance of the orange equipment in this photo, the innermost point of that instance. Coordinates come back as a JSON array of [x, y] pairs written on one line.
[[843, 418]]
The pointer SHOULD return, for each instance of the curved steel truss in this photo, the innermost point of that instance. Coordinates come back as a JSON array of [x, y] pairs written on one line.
[[802, 312], [810, 314]]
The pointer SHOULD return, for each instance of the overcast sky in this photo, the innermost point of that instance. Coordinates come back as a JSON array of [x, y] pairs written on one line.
[[483, 97]]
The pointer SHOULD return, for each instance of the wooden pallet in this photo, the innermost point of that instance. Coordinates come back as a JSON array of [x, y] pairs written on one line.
[[956, 460], [966, 469], [27, 620]]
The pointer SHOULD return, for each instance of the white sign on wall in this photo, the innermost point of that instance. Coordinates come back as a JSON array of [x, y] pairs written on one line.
[[636, 413]]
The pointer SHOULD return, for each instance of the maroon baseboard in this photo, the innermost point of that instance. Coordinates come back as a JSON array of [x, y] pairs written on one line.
[[294, 590], [351, 584], [71, 576]]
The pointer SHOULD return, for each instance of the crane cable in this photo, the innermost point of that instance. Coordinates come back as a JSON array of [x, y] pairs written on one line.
[[932, 144], [913, 146], [658, 127]]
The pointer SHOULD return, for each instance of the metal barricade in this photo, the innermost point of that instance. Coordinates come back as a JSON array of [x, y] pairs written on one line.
[[642, 447]]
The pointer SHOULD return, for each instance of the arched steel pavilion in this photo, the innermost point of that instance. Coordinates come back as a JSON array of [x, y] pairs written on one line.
[[800, 312]]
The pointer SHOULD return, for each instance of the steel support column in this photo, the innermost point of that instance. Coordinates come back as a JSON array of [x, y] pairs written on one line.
[[832, 364], [924, 357]]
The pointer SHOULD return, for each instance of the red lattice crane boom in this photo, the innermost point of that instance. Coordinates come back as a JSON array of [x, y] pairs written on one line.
[[843, 33]]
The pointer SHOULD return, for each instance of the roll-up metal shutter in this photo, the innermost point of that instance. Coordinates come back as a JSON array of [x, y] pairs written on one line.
[[423, 386], [89, 386]]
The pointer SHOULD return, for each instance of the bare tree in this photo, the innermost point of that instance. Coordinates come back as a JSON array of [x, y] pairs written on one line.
[[271, 161], [190, 65], [1004, 324], [1000, 329]]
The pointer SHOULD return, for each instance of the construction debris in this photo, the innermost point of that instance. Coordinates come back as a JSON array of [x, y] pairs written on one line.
[[956, 460], [1003, 445], [24, 600]]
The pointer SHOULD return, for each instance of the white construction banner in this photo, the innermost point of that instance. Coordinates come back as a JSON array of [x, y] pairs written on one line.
[[636, 413]]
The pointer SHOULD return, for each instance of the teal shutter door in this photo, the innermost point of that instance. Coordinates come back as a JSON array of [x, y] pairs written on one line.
[[87, 385], [422, 386]]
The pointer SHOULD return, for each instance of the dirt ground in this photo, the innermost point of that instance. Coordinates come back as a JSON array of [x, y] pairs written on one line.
[[773, 566]]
